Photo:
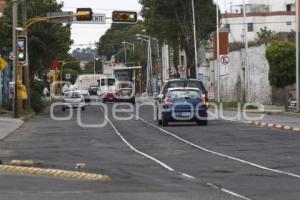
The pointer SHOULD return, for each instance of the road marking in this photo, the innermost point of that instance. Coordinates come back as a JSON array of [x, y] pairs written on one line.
[[220, 154], [168, 167], [136, 150]]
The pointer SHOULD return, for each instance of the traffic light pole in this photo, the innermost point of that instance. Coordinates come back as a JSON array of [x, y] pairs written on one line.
[[15, 61]]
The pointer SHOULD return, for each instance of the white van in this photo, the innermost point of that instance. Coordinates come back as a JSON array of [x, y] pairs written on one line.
[[107, 84]]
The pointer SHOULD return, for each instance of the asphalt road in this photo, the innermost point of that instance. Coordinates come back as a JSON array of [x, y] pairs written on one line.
[[225, 160]]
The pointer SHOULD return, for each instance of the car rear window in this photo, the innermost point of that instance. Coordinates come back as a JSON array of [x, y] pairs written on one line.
[[189, 83], [184, 94]]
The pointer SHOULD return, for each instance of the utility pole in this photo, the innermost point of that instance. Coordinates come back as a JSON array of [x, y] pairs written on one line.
[[218, 53], [15, 62], [297, 58], [195, 39], [26, 67], [246, 51]]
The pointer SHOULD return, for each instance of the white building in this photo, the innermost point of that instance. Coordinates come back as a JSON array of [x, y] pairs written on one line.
[[276, 15]]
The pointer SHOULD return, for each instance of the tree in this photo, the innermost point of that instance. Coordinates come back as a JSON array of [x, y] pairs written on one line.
[[74, 74], [47, 42], [89, 67], [281, 57], [171, 21], [265, 36]]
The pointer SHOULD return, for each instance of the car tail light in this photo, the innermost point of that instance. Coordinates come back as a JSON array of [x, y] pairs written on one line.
[[204, 99], [168, 102]]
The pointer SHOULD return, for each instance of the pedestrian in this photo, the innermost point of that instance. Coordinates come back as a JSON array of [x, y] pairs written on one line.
[[45, 93]]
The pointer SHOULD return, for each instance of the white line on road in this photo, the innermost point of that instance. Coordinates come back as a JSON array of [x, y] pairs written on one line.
[[168, 167], [138, 151], [220, 154]]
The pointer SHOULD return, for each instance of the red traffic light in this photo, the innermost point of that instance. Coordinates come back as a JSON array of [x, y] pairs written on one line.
[[124, 17]]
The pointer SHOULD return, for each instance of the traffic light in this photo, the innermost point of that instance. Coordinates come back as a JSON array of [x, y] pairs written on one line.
[[84, 14], [124, 17], [21, 48]]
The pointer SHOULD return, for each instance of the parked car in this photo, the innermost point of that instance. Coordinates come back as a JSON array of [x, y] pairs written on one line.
[[86, 95], [182, 104], [126, 95], [93, 90], [292, 107], [72, 99]]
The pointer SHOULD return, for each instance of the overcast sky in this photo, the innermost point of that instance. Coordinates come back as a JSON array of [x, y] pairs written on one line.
[[85, 33]]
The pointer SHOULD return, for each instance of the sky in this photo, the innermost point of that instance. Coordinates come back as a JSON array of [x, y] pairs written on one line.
[[87, 34]]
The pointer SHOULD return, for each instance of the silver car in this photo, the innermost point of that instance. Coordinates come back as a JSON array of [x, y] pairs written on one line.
[[72, 99]]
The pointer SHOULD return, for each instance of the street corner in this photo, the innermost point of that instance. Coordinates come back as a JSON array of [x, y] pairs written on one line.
[[8, 126]]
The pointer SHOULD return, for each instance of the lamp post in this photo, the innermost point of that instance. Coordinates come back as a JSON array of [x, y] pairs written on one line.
[[195, 38], [150, 71], [297, 58]]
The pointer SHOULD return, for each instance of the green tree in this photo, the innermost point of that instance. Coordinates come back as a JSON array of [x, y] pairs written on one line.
[[171, 21], [281, 57], [265, 36], [47, 42], [74, 74], [89, 67]]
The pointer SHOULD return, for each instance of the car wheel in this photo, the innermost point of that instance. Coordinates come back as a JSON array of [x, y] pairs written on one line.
[[164, 122]]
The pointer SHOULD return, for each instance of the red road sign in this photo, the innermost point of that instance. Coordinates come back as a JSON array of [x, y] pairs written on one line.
[[225, 60]]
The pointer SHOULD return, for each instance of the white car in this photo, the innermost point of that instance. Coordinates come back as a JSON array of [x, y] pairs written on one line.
[[72, 99], [86, 95]]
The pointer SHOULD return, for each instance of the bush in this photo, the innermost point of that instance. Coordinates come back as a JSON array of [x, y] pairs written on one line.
[[37, 102]]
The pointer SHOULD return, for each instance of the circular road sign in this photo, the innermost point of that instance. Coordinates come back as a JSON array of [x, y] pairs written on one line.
[[225, 60]]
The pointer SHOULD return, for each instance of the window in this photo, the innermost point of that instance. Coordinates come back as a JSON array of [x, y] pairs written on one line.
[[289, 23], [290, 7], [227, 26], [250, 27]]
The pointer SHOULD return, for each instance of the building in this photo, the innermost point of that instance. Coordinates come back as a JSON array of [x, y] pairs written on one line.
[[2, 7], [276, 15]]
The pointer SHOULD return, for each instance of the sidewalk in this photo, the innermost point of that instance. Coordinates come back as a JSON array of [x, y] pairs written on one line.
[[8, 125], [272, 120]]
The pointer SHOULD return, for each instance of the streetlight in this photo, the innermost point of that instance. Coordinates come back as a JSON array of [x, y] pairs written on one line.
[[297, 58], [195, 38]]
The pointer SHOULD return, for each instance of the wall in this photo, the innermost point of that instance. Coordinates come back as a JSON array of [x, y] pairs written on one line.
[[234, 77]]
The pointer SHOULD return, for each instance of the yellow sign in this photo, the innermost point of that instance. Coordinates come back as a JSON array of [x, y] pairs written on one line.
[[3, 63]]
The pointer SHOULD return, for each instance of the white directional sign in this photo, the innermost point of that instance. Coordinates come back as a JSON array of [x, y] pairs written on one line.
[[97, 19]]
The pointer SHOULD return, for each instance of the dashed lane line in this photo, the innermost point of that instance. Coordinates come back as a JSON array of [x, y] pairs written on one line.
[[164, 165]]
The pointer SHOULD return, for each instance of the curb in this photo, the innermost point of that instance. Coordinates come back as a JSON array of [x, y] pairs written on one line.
[[75, 175], [270, 125], [27, 117]]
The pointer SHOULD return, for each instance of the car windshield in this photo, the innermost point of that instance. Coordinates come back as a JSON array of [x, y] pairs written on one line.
[[73, 95], [108, 82], [183, 94]]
